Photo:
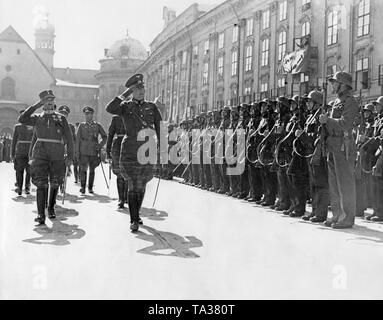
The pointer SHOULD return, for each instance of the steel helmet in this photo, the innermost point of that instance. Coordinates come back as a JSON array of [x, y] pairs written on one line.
[[316, 97], [342, 77]]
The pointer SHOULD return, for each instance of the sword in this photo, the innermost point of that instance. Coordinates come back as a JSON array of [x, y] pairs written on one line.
[[103, 172], [110, 177], [64, 185]]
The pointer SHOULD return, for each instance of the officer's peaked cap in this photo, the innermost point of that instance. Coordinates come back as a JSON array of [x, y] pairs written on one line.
[[134, 80], [46, 94]]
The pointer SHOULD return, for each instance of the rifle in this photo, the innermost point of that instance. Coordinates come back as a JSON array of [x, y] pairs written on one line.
[[321, 143], [361, 132]]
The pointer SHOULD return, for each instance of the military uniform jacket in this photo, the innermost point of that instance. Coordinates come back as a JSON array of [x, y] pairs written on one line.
[[52, 135], [340, 124], [22, 139], [136, 115], [87, 143], [116, 133]]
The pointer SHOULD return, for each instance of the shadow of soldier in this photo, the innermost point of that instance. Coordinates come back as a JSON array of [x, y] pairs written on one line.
[[29, 199], [98, 197], [178, 245], [69, 197], [60, 233], [153, 214]]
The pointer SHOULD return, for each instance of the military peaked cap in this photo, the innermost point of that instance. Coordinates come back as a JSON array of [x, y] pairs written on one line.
[[46, 94], [137, 79]]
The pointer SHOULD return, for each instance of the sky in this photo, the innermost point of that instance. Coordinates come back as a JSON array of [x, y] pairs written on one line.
[[85, 27]]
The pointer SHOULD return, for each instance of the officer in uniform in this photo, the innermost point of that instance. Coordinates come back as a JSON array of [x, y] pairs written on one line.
[[22, 138], [137, 114], [341, 152], [88, 148], [64, 110], [52, 138], [116, 133]]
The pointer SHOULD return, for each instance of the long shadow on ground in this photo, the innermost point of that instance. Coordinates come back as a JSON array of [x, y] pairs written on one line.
[[60, 234], [161, 240]]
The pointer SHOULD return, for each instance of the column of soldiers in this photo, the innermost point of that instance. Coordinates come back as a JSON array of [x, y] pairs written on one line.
[[299, 150]]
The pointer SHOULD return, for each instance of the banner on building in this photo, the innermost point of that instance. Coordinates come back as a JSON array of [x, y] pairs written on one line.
[[296, 62]]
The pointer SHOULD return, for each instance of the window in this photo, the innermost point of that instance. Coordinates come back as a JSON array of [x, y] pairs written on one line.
[[266, 19], [195, 50], [221, 40], [249, 27], [362, 64], [8, 89], [264, 86], [234, 63], [247, 89], [363, 18], [283, 10], [235, 33], [206, 47], [331, 70], [249, 58], [265, 52], [332, 29], [281, 83], [362, 69], [304, 78], [220, 66], [306, 29], [184, 57], [205, 76], [281, 45]]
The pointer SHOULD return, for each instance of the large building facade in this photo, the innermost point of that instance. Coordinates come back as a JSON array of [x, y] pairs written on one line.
[[24, 72], [209, 57]]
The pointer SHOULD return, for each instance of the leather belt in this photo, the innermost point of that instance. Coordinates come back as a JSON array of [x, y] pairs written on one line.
[[24, 142], [120, 135], [50, 140]]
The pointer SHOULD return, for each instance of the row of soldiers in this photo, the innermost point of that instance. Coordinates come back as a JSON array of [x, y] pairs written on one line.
[[297, 150]]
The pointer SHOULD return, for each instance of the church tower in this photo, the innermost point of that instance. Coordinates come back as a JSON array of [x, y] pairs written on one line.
[[44, 39]]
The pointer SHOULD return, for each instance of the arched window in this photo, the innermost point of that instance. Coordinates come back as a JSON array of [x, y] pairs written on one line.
[[8, 89], [306, 29]]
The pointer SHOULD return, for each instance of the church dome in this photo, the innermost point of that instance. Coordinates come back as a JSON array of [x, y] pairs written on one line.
[[128, 48]]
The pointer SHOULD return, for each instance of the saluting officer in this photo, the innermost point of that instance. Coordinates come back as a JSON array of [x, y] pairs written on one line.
[[88, 148], [116, 133], [22, 138], [137, 114], [52, 138], [341, 152]]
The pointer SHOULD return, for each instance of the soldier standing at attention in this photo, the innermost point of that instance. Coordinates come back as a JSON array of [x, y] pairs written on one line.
[[52, 137], [21, 143], [341, 152], [88, 148], [137, 114], [116, 133]]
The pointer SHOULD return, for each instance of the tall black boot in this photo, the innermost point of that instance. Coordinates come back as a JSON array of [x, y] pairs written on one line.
[[121, 192], [41, 196], [126, 190], [19, 181], [141, 197], [83, 181], [134, 210], [52, 202], [27, 180], [75, 171], [91, 181]]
